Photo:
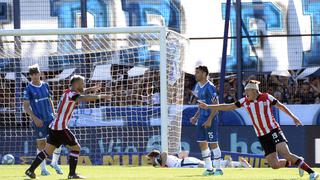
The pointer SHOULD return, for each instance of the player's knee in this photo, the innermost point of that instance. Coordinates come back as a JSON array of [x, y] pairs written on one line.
[[214, 145], [76, 148], [41, 145]]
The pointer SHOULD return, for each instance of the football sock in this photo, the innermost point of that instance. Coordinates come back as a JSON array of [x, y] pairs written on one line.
[[302, 165], [40, 157], [73, 161], [206, 155]]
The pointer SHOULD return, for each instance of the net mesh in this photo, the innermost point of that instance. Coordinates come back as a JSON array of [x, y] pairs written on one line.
[[126, 65]]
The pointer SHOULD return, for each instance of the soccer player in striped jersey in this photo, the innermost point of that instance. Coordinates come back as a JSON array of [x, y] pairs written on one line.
[[59, 133], [259, 107], [207, 122], [39, 106]]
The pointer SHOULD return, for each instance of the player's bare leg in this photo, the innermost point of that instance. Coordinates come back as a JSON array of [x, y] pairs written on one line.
[[41, 144], [73, 161], [215, 149], [284, 151], [275, 162], [206, 155], [40, 157]]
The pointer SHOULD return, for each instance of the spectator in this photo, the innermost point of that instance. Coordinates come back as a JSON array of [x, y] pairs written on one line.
[[307, 97], [230, 96]]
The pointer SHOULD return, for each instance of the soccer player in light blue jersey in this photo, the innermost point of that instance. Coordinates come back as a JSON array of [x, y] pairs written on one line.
[[39, 106], [207, 122]]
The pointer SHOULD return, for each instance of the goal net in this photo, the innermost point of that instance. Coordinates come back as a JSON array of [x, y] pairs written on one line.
[[141, 67]]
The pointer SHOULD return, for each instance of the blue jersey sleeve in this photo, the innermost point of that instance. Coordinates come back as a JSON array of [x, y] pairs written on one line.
[[26, 94], [211, 93]]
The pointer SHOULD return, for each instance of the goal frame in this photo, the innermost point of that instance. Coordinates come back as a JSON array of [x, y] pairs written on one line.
[[118, 30]]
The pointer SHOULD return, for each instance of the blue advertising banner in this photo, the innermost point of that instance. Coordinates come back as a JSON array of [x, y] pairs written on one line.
[[105, 147]]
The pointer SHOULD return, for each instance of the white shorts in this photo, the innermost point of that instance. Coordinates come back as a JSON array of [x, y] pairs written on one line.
[[191, 162]]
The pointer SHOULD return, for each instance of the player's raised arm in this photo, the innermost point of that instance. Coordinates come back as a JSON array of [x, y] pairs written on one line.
[[220, 107], [284, 109]]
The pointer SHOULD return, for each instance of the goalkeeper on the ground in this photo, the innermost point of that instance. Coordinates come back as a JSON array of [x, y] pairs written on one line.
[[182, 160]]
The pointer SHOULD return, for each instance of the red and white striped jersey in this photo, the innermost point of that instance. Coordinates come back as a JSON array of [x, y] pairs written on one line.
[[65, 109], [260, 112]]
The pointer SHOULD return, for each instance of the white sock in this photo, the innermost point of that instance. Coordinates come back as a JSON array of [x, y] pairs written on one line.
[[56, 156], [206, 155], [217, 157], [43, 164]]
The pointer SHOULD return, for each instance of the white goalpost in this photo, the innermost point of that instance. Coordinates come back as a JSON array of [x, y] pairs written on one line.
[[140, 66]]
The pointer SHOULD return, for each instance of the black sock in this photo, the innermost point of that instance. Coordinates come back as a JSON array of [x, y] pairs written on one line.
[[302, 165], [73, 161], [40, 157]]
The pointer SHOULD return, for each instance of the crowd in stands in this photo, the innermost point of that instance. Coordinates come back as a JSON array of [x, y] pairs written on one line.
[[125, 90], [286, 89], [145, 90]]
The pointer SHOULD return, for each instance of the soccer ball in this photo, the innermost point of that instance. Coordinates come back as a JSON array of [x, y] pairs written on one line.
[[8, 159]]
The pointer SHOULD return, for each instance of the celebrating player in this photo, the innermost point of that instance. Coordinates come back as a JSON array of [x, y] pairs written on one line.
[[164, 159], [59, 134], [207, 122], [39, 106], [259, 107]]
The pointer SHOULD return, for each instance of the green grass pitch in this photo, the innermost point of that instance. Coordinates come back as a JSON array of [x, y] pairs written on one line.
[[139, 173]]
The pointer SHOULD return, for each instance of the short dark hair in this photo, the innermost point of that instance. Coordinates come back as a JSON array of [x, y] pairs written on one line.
[[203, 69], [76, 78], [153, 153], [34, 69]]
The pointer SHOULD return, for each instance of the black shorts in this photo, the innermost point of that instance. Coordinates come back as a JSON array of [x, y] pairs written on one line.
[[270, 140], [61, 137]]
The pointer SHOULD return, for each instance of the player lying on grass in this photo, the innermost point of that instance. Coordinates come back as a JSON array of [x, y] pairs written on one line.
[[259, 107], [182, 160], [59, 133], [164, 159]]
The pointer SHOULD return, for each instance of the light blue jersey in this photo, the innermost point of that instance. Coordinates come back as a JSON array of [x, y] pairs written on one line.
[[39, 97]]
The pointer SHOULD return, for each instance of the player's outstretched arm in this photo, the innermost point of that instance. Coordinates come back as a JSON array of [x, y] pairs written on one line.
[[284, 109], [89, 98], [220, 107], [93, 89]]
